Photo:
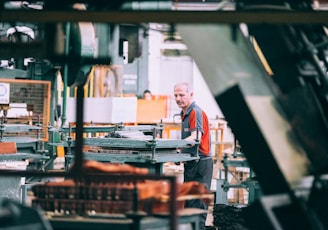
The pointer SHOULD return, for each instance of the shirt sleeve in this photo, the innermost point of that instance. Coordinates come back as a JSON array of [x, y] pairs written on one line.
[[196, 121]]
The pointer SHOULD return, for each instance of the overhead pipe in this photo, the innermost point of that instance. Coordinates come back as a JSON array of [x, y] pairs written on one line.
[[147, 5]]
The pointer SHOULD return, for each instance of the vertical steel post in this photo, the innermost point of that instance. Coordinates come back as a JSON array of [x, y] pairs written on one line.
[[65, 75]]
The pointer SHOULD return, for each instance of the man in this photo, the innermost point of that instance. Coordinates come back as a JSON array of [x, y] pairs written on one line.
[[194, 126]]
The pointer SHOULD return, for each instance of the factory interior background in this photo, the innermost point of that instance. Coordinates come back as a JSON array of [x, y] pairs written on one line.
[[81, 148]]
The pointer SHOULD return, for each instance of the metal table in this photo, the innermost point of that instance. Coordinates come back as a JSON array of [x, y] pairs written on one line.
[[150, 153], [22, 156], [122, 222]]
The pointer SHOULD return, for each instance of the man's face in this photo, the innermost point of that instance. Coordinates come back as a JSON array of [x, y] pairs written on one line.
[[183, 98]]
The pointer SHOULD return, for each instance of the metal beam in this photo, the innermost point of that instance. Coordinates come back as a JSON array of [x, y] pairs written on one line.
[[229, 17], [262, 130]]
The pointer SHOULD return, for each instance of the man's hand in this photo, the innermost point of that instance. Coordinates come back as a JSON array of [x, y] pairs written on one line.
[[194, 137]]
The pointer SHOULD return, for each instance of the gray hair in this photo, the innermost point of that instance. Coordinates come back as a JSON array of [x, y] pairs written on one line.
[[186, 84]]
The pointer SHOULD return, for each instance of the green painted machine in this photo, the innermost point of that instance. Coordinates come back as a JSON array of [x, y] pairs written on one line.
[[126, 144]]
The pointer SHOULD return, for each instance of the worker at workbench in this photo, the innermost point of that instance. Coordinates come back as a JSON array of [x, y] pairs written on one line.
[[195, 125]]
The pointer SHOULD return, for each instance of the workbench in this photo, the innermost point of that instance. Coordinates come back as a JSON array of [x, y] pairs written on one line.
[[138, 150], [151, 154]]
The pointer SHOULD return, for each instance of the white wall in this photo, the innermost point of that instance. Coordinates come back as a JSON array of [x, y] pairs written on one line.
[[166, 71], [155, 39], [203, 96]]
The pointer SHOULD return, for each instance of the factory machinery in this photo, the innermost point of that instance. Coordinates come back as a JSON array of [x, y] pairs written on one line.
[[125, 197], [119, 197], [104, 193], [108, 195], [121, 201], [234, 167], [274, 98], [127, 144]]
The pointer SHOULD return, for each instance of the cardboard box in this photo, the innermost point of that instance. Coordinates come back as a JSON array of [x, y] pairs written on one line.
[[151, 111]]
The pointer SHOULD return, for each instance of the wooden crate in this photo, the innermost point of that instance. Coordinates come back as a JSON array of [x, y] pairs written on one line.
[[240, 195]]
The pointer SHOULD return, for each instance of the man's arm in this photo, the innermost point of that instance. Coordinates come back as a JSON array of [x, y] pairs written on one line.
[[193, 136]]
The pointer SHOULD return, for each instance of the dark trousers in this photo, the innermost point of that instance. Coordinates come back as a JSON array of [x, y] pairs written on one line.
[[200, 171]]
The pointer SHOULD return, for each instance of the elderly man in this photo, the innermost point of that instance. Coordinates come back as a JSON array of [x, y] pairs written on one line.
[[194, 126]]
